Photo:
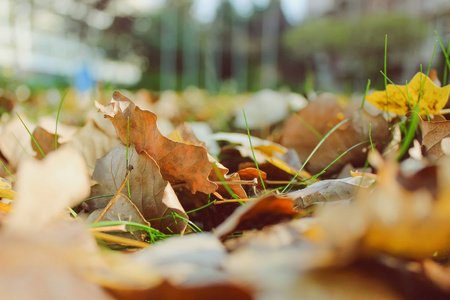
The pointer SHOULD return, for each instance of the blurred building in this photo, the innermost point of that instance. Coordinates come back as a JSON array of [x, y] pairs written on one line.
[[59, 38]]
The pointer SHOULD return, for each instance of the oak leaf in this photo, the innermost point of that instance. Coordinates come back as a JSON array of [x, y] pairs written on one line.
[[178, 162], [399, 99]]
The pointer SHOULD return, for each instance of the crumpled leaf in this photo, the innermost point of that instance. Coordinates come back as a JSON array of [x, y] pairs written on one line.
[[330, 190], [178, 162], [45, 140], [261, 212], [275, 154], [304, 130], [151, 194], [433, 132], [122, 210], [402, 98]]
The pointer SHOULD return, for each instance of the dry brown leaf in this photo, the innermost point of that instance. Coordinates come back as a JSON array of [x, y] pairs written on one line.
[[122, 210], [178, 162], [184, 134], [322, 115], [433, 132], [151, 194], [330, 190], [261, 212], [45, 140]]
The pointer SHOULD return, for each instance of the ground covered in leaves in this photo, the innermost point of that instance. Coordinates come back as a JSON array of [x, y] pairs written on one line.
[[336, 199]]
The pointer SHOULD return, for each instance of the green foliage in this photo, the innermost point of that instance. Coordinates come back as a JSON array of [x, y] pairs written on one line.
[[355, 45], [361, 34]]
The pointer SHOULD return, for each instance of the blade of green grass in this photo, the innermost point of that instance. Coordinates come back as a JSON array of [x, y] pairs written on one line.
[[253, 151], [309, 126], [432, 57], [338, 158], [57, 118], [445, 52], [31, 135], [6, 169], [365, 93], [409, 134]]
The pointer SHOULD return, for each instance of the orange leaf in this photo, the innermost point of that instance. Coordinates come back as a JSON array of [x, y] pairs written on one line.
[[179, 162]]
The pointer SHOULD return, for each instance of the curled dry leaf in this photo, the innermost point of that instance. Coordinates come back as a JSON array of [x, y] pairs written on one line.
[[151, 194], [305, 129], [45, 140], [330, 190], [122, 210], [178, 162], [433, 132], [261, 212]]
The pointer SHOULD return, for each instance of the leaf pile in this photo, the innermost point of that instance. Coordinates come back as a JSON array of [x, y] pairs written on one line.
[[262, 220]]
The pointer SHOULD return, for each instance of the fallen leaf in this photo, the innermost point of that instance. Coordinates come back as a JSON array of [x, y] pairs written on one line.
[[122, 210], [330, 190], [178, 162], [151, 194], [265, 151], [194, 259], [45, 140], [399, 99], [48, 187], [433, 132], [261, 212], [304, 130]]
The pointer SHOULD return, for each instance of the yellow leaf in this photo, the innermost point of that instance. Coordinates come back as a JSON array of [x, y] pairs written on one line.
[[402, 98]]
